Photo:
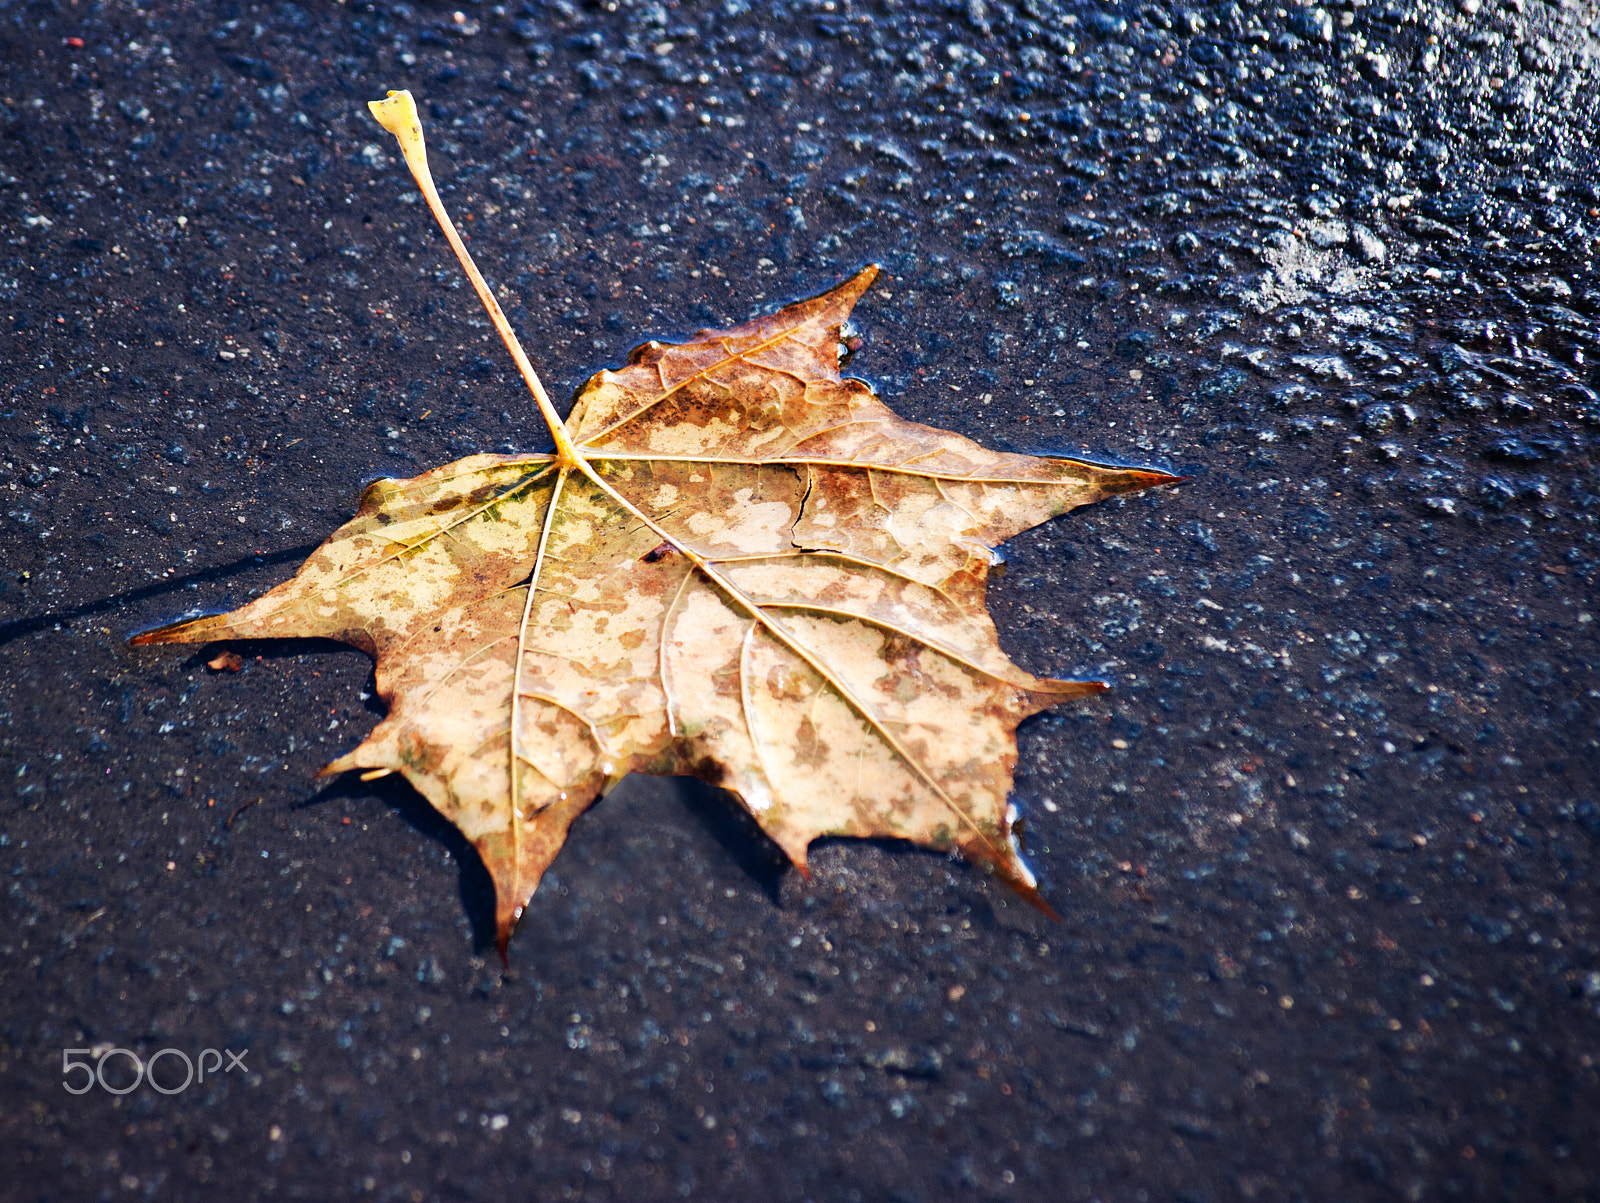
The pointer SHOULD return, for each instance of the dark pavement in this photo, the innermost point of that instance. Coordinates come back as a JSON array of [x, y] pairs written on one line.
[[1325, 855]]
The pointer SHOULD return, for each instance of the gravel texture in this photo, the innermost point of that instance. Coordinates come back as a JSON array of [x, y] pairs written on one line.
[[1325, 856]]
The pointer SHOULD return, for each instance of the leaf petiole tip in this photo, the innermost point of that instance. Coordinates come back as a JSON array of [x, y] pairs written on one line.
[[397, 113]]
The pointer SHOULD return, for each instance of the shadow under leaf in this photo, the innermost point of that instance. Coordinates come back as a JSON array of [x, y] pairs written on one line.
[[19, 627], [475, 885]]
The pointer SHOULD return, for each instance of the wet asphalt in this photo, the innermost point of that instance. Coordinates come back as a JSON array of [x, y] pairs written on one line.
[[1326, 854]]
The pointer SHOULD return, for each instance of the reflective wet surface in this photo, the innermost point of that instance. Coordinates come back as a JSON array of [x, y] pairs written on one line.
[[1324, 855]]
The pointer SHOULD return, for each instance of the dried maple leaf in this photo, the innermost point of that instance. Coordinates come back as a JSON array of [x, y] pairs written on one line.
[[736, 565]]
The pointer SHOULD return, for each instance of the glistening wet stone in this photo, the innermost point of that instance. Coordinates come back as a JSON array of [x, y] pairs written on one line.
[[1324, 855]]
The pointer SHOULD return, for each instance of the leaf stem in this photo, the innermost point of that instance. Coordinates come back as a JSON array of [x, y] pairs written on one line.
[[398, 114]]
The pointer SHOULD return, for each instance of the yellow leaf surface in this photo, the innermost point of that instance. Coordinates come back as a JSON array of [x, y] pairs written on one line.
[[738, 565]]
